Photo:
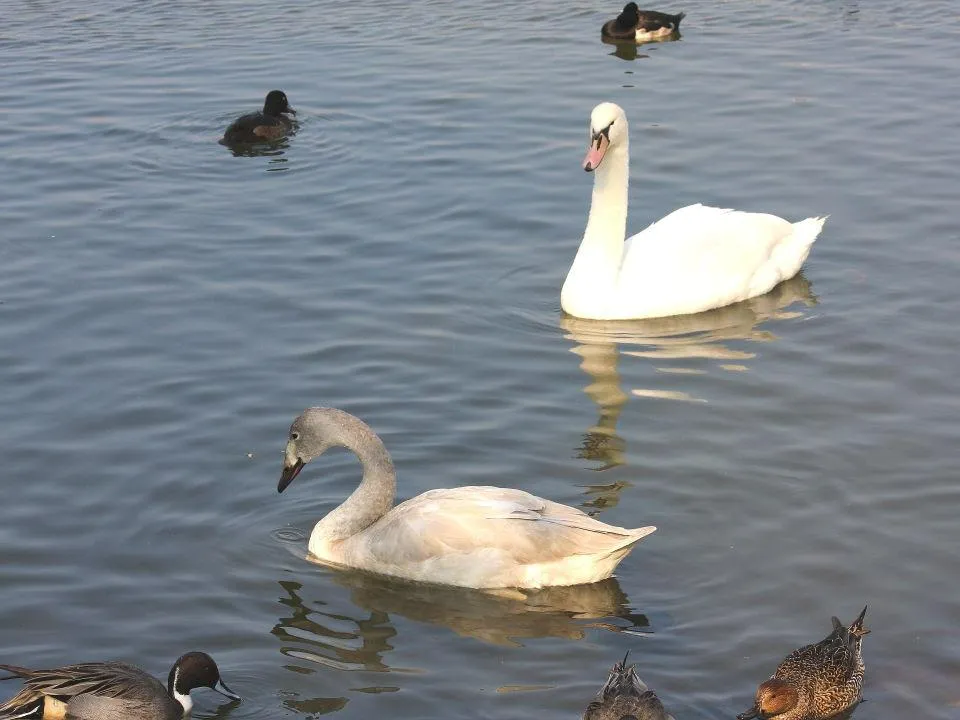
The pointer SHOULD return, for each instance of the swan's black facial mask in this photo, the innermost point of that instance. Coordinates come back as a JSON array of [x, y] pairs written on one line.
[[599, 143]]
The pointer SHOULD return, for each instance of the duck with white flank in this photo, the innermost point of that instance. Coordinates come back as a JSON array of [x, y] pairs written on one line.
[[634, 24], [696, 258], [817, 681], [478, 537], [111, 690]]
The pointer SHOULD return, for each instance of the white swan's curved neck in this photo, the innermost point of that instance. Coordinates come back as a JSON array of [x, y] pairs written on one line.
[[372, 499], [597, 265]]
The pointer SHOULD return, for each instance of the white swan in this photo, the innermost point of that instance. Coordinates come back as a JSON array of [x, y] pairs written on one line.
[[479, 537], [694, 259]]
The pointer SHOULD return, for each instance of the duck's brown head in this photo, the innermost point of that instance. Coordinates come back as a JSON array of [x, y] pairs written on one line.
[[774, 698]]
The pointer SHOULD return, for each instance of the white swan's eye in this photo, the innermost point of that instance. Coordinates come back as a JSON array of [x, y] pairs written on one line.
[[605, 132], [294, 436]]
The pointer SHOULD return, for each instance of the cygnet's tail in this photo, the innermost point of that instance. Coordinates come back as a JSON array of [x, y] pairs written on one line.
[[636, 535]]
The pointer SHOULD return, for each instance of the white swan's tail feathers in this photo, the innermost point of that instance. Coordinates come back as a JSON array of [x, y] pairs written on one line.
[[792, 253], [806, 231]]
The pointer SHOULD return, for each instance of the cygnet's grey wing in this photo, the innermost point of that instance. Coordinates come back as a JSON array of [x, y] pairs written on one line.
[[463, 520]]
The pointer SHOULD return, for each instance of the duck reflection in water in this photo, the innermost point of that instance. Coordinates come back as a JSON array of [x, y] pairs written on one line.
[[707, 336], [625, 50], [499, 617], [275, 151]]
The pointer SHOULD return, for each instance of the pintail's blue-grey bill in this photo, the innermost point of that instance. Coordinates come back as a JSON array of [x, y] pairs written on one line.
[[221, 687]]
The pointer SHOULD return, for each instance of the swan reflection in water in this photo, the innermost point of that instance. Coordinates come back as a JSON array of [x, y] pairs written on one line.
[[704, 336], [314, 633]]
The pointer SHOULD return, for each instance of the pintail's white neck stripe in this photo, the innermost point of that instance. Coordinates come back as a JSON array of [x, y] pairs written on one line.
[[184, 700]]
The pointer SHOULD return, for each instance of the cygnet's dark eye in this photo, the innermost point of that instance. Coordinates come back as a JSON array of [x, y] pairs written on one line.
[[294, 436]]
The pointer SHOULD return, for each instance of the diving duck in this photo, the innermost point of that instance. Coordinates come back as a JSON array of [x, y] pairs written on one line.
[[641, 25], [625, 696], [270, 123]]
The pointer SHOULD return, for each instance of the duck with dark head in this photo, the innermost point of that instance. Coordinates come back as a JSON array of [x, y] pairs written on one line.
[[271, 123], [634, 24]]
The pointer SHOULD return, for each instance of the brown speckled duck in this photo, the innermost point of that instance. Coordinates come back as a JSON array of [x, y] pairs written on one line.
[[625, 696], [817, 681], [641, 25], [271, 123]]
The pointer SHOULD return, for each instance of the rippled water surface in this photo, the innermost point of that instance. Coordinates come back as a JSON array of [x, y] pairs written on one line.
[[167, 308]]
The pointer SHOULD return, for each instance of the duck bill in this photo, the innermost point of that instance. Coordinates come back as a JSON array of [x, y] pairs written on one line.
[[290, 110], [749, 714], [221, 687], [290, 471], [598, 148]]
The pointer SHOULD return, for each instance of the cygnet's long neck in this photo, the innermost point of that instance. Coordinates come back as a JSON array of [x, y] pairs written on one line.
[[601, 252], [377, 491]]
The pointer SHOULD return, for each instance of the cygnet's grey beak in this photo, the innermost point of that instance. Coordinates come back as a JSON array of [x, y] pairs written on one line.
[[221, 687], [290, 471]]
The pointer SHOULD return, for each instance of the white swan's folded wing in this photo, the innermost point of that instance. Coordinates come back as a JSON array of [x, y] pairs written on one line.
[[699, 257]]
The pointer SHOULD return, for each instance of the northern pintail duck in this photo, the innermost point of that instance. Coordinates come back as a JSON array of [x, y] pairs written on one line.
[[270, 123], [641, 25], [111, 690], [625, 696], [817, 681], [479, 537]]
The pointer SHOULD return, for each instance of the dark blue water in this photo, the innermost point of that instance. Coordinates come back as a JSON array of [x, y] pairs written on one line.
[[167, 308]]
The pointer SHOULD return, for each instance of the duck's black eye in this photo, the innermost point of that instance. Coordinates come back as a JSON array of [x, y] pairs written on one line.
[[294, 436]]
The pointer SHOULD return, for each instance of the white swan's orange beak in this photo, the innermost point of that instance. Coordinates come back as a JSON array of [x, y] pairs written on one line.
[[596, 151]]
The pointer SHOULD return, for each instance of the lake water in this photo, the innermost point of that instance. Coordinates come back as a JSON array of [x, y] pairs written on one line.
[[167, 308]]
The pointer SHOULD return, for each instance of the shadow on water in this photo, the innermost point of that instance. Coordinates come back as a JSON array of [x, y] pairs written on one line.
[[502, 618], [704, 336]]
